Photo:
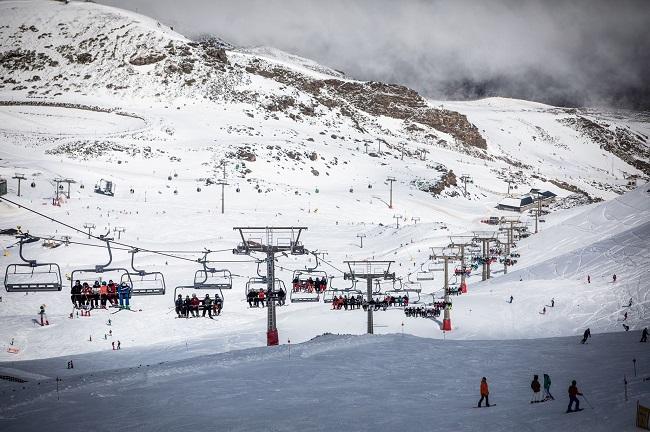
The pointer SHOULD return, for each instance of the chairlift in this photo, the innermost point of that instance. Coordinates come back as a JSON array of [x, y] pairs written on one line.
[[102, 272], [105, 187], [409, 289], [208, 279], [260, 283], [333, 292], [425, 275], [144, 282], [303, 284], [32, 276]]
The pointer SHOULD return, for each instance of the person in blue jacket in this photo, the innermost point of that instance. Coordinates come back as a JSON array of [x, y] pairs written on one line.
[[124, 292]]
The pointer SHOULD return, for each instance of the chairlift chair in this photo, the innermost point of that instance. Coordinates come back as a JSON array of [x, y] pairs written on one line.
[[333, 292], [105, 187], [144, 282], [410, 289], [260, 283], [32, 276], [99, 272], [302, 291]]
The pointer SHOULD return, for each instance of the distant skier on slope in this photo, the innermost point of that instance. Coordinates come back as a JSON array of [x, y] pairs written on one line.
[[43, 316], [543, 312], [511, 299], [625, 316], [547, 388], [573, 397], [644, 335], [614, 278], [485, 392], [553, 302], [585, 336], [588, 279], [536, 387], [630, 303]]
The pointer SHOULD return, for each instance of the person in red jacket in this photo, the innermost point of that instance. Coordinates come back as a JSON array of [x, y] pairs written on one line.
[[261, 296], [573, 397], [536, 387], [485, 392], [194, 305]]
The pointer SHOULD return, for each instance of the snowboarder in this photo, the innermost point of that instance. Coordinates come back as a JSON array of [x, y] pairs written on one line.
[[124, 292], [614, 278], [547, 388], [625, 316], [644, 335], [534, 385], [573, 397], [485, 392], [588, 279], [119, 345], [511, 299], [553, 302], [626, 327], [585, 336], [43, 316]]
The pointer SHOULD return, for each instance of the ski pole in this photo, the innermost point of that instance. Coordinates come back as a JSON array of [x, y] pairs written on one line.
[[587, 400]]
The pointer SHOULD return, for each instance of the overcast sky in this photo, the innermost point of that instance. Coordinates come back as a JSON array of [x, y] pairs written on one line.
[[590, 52]]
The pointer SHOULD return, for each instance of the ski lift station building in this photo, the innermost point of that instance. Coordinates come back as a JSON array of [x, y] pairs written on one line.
[[525, 202]]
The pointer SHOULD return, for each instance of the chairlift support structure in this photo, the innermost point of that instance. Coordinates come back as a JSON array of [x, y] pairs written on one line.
[[32, 276], [369, 270]]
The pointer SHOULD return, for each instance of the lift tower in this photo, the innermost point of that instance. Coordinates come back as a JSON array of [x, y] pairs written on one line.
[[485, 238], [270, 240], [510, 225], [446, 255], [461, 243], [369, 270]]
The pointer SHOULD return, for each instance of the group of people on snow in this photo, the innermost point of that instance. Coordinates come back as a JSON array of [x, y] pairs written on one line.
[[257, 298], [186, 307], [538, 396], [309, 285], [87, 296]]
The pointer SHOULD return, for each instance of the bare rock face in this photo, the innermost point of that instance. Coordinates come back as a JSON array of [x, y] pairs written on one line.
[[146, 59], [377, 98]]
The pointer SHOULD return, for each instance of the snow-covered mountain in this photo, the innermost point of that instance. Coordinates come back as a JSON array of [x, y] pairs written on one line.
[[90, 92]]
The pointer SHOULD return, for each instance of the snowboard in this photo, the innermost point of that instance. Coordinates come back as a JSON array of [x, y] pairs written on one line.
[[485, 406], [572, 411]]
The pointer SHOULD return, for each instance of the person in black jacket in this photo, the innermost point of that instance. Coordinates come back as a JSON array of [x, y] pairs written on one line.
[[75, 294], [586, 336], [187, 304], [179, 306], [207, 305], [282, 296], [218, 304], [644, 335], [536, 387]]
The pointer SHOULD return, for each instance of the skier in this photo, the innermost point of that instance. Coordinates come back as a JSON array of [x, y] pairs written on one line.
[[630, 303], [534, 385], [588, 279], [43, 316], [626, 327], [207, 306], [113, 344], [485, 392], [124, 292], [218, 304], [585, 336], [547, 388], [179, 306], [511, 298], [119, 345], [544, 310], [625, 316], [282, 296], [644, 335], [573, 397], [194, 306], [75, 294], [552, 302], [614, 278]]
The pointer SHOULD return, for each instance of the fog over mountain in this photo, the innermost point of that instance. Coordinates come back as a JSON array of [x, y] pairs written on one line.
[[593, 52]]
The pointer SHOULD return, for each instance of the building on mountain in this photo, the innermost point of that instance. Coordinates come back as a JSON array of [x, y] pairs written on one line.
[[525, 202]]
